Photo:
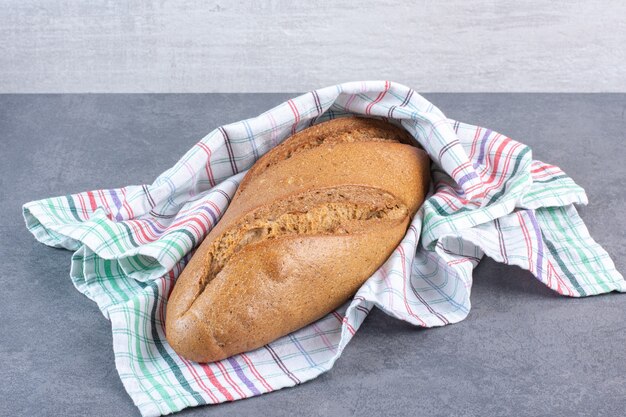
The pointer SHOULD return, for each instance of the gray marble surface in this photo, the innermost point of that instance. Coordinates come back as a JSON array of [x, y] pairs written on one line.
[[523, 350]]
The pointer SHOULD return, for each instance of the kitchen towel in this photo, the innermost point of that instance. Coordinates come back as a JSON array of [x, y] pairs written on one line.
[[488, 197]]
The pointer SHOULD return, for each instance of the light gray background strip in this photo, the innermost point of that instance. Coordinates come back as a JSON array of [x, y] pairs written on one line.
[[285, 46]]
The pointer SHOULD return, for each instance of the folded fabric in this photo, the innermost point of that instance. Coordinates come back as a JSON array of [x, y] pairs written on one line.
[[489, 197]]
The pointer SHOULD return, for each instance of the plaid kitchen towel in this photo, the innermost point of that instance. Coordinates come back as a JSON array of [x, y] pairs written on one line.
[[489, 197]]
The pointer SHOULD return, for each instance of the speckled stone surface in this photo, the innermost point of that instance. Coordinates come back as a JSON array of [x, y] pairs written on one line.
[[523, 350]]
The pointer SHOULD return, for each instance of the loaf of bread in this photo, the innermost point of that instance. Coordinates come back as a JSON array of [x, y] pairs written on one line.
[[310, 222]]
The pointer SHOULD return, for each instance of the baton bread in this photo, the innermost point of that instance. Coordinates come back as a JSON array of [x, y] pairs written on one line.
[[309, 223]]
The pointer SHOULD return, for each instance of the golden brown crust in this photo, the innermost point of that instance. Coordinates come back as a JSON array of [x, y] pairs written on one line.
[[311, 221], [347, 129]]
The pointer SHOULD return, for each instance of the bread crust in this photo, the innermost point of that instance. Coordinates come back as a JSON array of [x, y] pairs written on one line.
[[310, 222]]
